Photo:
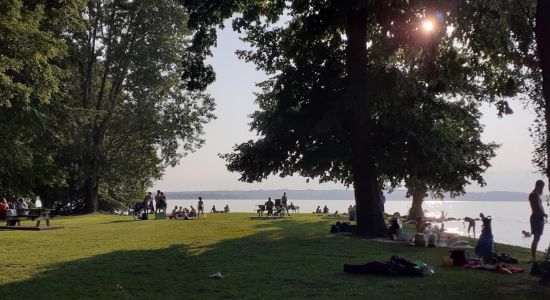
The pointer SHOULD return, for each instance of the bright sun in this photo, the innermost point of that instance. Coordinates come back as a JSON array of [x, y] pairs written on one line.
[[428, 25]]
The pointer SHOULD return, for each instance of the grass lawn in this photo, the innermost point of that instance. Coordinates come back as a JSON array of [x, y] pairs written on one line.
[[114, 257]]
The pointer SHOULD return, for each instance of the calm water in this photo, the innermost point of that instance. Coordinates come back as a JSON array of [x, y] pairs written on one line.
[[509, 217]]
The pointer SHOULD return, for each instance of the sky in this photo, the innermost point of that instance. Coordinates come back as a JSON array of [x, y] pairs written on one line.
[[234, 89]]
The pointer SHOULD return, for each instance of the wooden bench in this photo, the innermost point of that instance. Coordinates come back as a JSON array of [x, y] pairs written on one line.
[[34, 214]]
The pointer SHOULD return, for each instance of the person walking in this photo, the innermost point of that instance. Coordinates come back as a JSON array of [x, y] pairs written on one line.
[[538, 216]]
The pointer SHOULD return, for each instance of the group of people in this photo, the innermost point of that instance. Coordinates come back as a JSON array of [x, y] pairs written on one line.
[[325, 210], [183, 213], [225, 209], [158, 204], [187, 213], [537, 220], [279, 207], [16, 204]]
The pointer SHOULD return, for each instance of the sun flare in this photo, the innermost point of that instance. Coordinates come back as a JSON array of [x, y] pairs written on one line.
[[428, 26]]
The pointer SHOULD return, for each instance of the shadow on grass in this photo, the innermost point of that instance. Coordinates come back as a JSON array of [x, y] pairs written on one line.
[[285, 259], [119, 221]]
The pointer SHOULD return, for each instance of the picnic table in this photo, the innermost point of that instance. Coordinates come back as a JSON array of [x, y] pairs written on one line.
[[276, 210], [35, 214]]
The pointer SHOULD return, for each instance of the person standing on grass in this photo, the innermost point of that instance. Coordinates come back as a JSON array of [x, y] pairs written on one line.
[[537, 216], [157, 201], [200, 207], [146, 201], [284, 201], [162, 204], [382, 200]]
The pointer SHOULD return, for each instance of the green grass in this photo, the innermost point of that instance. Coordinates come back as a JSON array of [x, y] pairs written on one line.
[[114, 257]]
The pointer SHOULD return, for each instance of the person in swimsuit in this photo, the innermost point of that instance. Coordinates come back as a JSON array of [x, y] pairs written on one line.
[[471, 225], [538, 216]]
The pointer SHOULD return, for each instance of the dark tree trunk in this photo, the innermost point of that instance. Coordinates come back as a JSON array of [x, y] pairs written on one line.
[[542, 32], [370, 221], [91, 192], [418, 194]]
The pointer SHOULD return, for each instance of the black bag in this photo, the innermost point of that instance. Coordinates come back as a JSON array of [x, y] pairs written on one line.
[[542, 270], [459, 257], [12, 222], [144, 216]]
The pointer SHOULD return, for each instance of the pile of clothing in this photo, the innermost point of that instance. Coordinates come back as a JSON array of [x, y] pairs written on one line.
[[396, 266]]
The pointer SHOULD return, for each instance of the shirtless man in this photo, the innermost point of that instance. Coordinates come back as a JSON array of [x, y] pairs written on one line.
[[537, 216]]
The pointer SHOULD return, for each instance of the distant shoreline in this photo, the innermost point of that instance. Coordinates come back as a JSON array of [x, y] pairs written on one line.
[[347, 195]]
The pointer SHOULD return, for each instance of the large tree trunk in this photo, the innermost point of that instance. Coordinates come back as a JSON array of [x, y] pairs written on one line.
[[370, 221], [542, 32], [91, 192], [418, 194]]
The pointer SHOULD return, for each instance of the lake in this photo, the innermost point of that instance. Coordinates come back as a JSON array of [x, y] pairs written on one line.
[[509, 217]]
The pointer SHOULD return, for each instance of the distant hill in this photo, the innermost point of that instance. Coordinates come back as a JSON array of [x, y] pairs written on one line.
[[335, 195]]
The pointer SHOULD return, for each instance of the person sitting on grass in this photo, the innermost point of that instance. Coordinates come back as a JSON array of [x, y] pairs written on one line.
[[325, 210], [226, 208], [193, 212], [180, 213], [213, 210], [174, 213], [292, 207], [318, 210]]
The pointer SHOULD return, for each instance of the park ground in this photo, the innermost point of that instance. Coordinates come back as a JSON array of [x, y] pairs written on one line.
[[114, 257]]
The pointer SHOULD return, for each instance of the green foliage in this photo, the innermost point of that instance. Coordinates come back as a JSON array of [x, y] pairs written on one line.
[[30, 76], [125, 114], [420, 130], [404, 108], [119, 111], [29, 49]]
